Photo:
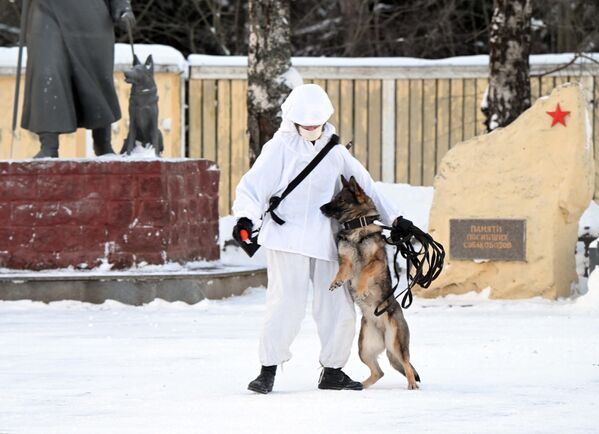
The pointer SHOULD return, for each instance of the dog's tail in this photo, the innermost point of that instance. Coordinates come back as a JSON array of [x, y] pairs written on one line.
[[397, 365]]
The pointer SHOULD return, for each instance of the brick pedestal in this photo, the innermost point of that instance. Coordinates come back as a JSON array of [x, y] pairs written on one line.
[[55, 214]]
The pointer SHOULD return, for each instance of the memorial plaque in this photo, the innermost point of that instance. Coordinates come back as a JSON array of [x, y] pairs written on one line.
[[496, 239]]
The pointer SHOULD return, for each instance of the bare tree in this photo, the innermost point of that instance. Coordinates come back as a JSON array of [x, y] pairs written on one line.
[[9, 22], [508, 94], [356, 24], [269, 61], [418, 28]]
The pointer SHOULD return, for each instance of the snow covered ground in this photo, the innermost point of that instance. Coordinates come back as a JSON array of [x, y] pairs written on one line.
[[486, 366]]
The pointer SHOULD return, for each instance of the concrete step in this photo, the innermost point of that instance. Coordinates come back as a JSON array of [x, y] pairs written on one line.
[[135, 288]]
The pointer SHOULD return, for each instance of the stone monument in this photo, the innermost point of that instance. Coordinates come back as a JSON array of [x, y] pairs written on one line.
[[82, 214], [507, 204]]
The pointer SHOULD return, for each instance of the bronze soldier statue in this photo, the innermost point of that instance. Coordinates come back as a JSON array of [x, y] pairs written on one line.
[[69, 80]]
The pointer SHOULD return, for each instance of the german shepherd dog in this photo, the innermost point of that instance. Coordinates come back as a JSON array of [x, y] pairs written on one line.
[[363, 264], [143, 107]]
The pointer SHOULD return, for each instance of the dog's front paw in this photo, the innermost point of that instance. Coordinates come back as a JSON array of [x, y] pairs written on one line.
[[362, 292], [335, 284]]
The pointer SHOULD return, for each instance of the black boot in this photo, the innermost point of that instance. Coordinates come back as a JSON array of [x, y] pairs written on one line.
[[102, 141], [49, 146], [336, 379], [264, 382]]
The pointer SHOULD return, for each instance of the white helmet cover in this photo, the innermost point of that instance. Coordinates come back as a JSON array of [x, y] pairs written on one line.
[[307, 105]]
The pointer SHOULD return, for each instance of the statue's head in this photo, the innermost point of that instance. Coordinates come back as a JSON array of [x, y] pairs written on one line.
[[139, 75]]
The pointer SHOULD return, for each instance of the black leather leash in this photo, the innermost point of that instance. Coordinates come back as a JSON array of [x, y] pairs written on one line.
[[426, 261], [130, 33], [276, 200]]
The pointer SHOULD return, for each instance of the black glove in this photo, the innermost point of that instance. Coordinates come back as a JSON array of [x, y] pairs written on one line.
[[124, 17], [243, 223], [401, 229]]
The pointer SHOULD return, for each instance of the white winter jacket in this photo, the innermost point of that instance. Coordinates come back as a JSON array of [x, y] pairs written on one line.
[[306, 231]]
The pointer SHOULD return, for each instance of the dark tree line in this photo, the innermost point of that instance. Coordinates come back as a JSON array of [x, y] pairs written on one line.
[[418, 28], [270, 31]]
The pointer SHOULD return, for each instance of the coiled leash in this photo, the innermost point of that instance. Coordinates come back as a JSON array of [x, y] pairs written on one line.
[[427, 262]]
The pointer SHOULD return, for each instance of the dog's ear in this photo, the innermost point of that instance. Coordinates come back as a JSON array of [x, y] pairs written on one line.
[[150, 63], [344, 182], [358, 192], [136, 60]]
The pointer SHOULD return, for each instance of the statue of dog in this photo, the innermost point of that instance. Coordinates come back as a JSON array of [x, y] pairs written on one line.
[[143, 108]]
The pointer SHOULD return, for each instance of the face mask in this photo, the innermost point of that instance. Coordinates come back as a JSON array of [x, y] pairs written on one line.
[[310, 135]]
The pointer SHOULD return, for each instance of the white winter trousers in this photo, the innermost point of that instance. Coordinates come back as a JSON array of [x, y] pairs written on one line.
[[289, 278]]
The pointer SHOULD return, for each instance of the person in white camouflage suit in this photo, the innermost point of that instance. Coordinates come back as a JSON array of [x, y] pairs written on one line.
[[302, 252]]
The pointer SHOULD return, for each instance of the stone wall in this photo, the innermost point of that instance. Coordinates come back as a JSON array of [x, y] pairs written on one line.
[[57, 214]]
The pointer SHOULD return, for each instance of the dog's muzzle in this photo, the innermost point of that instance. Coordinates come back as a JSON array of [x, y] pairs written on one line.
[[327, 209]]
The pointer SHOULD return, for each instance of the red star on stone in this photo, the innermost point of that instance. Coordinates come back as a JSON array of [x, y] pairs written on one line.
[[559, 117]]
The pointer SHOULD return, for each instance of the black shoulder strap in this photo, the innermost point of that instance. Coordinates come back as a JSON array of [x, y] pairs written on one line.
[[276, 200]]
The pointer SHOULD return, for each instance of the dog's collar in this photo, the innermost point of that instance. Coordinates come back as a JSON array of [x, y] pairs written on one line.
[[145, 91], [360, 222]]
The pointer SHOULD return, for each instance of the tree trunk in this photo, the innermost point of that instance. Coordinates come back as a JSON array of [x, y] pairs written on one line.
[[269, 59], [355, 27], [509, 83], [567, 42]]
